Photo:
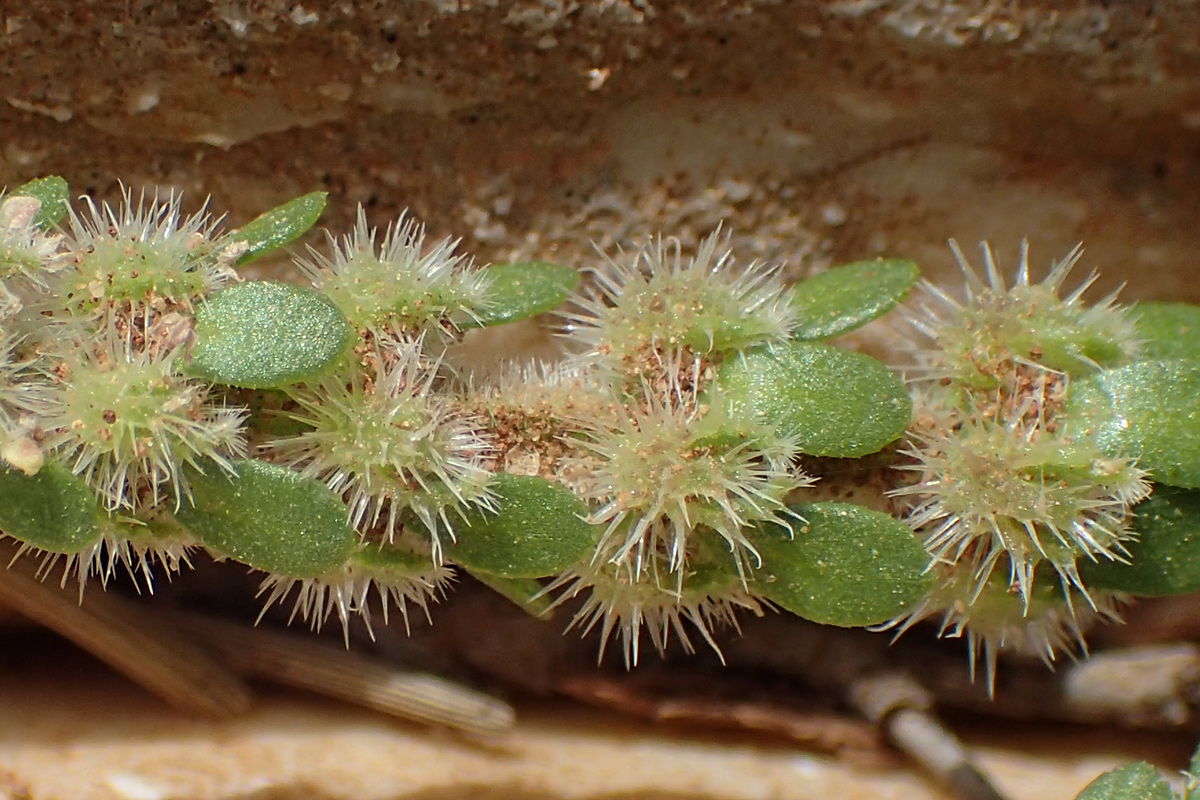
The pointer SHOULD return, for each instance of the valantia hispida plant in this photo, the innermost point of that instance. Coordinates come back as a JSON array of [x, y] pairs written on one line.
[[668, 473]]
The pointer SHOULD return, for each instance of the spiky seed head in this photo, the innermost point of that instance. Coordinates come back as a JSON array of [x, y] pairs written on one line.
[[144, 548], [661, 474], [624, 605], [27, 253], [1010, 486], [1050, 622], [401, 285], [657, 302], [976, 341], [396, 576], [129, 425], [143, 255], [25, 393], [1001, 478], [390, 445]]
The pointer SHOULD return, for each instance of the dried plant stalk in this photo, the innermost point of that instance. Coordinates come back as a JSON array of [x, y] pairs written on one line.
[[130, 641], [303, 663]]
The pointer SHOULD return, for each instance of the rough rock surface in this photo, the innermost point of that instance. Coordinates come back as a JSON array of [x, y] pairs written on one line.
[[819, 130]]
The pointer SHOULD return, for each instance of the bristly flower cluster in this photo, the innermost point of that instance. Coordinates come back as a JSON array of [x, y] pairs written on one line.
[[659, 476], [391, 445], [401, 577], [666, 485], [1004, 484], [93, 348], [28, 254], [143, 257], [624, 606], [129, 425], [659, 318], [1045, 623], [400, 288]]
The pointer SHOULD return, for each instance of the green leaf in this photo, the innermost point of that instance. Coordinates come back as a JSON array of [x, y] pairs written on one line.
[[846, 565], [1191, 778], [838, 403], [265, 335], [1168, 330], [279, 226], [524, 592], [270, 518], [1147, 409], [1139, 781], [52, 191], [538, 529], [1163, 559], [523, 289], [847, 297], [52, 510]]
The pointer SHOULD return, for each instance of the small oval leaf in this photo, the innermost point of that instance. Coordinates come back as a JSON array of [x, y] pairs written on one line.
[[538, 529], [837, 403], [1147, 409], [52, 510], [1138, 781], [1168, 330], [850, 296], [265, 335], [279, 226], [846, 565], [53, 194], [1162, 560], [523, 289], [270, 518]]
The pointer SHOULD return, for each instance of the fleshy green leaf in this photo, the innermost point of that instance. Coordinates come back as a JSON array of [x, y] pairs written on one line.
[[52, 510], [1147, 409], [1139, 781], [1163, 559], [270, 518], [524, 592], [837, 403], [847, 297], [264, 335], [279, 226], [1168, 330], [537, 530], [53, 194], [846, 565], [523, 289]]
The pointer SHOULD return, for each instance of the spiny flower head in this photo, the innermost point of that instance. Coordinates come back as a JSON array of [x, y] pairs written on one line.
[[992, 618], [401, 285], [128, 424], [143, 547], [624, 605], [25, 393], [977, 342], [1008, 487], [658, 302], [27, 253], [666, 471], [397, 575], [143, 254], [390, 444], [1003, 478]]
